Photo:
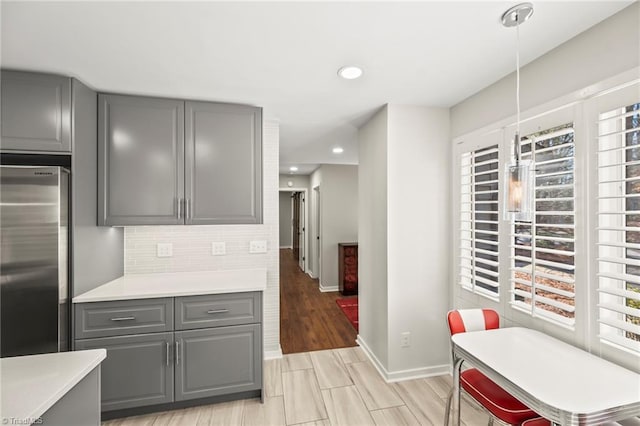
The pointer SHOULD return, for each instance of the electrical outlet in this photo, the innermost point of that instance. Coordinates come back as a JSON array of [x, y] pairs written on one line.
[[164, 249], [405, 339], [259, 246], [218, 248]]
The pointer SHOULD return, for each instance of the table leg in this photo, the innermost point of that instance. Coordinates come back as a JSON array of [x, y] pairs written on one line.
[[456, 391]]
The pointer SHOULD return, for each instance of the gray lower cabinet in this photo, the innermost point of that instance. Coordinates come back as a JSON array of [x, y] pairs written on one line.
[[213, 348], [140, 160], [36, 112], [237, 354], [138, 370], [168, 161]]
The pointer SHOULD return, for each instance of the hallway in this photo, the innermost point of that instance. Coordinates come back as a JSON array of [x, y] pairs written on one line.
[[309, 319]]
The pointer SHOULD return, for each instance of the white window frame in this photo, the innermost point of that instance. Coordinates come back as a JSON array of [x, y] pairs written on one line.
[[478, 142], [556, 117], [620, 96]]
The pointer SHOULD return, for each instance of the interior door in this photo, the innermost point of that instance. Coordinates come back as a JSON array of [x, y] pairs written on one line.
[[295, 224], [302, 256]]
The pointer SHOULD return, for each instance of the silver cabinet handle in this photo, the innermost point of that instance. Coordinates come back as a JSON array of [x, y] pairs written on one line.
[[179, 202], [188, 208], [217, 311], [167, 343], [123, 319], [177, 353]]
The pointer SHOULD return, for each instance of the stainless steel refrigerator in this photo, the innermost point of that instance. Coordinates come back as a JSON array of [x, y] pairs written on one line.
[[34, 234]]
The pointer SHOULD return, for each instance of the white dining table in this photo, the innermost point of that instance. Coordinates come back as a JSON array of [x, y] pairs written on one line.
[[562, 383]]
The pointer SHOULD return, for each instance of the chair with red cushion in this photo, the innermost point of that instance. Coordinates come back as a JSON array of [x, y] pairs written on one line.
[[498, 402]]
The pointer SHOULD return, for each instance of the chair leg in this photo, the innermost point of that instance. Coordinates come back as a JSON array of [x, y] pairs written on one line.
[[447, 408]]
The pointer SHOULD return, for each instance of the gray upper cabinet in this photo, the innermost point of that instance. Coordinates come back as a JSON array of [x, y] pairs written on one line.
[[166, 161], [141, 160], [223, 160], [36, 112]]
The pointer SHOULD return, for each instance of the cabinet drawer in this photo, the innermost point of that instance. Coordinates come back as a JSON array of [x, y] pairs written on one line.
[[102, 319], [217, 310]]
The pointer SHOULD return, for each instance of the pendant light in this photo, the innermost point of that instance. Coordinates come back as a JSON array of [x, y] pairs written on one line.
[[519, 174]]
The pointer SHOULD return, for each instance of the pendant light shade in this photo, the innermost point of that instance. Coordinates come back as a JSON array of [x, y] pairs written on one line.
[[519, 182], [519, 179]]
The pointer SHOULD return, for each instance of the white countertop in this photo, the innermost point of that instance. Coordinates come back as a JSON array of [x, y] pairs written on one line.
[[32, 384], [149, 286], [556, 374]]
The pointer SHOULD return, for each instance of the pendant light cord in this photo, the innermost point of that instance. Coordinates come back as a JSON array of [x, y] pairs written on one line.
[[516, 147], [518, 78]]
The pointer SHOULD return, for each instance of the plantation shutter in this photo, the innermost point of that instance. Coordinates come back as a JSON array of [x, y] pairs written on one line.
[[479, 221], [618, 232], [543, 250]]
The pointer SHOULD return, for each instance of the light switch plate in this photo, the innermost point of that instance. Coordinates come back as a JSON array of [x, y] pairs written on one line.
[[218, 248], [258, 246], [164, 249]]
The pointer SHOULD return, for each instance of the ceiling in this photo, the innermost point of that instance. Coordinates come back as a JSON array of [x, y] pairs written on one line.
[[284, 55]]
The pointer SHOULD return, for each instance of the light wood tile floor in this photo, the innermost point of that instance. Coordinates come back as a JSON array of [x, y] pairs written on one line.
[[325, 388]]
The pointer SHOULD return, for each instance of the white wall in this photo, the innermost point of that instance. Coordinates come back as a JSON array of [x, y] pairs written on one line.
[[418, 246], [404, 239], [339, 211], [192, 245], [372, 237], [339, 216], [604, 50], [297, 181], [286, 227]]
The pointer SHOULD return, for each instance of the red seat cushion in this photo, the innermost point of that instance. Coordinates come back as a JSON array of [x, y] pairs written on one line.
[[538, 421], [495, 399]]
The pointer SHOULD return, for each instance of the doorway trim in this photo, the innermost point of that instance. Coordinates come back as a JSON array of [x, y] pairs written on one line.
[[317, 237], [306, 224]]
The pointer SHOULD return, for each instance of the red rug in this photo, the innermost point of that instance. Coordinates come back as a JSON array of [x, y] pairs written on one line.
[[349, 306]]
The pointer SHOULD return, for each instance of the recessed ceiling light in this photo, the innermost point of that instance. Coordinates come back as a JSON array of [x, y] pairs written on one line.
[[293, 168], [337, 150], [350, 72]]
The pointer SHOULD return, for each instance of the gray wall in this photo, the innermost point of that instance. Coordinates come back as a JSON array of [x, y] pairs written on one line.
[[604, 50], [98, 252], [285, 219]]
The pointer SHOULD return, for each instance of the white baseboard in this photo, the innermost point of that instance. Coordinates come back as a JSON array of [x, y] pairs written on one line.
[[324, 289], [286, 247], [273, 354], [398, 376]]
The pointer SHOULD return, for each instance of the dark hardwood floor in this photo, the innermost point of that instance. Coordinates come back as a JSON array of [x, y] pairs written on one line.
[[309, 319]]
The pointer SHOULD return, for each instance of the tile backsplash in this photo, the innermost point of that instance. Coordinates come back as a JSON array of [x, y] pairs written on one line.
[[192, 248]]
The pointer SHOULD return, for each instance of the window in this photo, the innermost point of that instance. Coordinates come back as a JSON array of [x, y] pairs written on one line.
[[479, 221], [543, 250], [618, 232]]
